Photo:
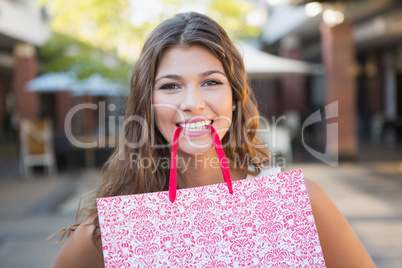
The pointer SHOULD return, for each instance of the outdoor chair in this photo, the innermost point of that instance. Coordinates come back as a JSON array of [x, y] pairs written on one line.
[[37, 146]]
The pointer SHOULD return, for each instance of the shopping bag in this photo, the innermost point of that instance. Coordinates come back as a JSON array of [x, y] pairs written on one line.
[[257, 222]]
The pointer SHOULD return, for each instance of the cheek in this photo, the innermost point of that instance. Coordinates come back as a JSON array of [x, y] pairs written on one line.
[[222, 107], [223, 103]]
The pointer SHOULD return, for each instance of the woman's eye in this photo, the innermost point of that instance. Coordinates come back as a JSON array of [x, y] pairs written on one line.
[[210, 83], [169, 86]]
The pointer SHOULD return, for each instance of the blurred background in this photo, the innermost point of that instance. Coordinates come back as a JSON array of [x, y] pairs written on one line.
[[327, 76]]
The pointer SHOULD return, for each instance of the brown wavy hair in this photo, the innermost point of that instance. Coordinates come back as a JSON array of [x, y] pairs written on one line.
[[184, 30]]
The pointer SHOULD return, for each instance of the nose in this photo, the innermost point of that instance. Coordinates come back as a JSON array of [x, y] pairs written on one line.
[[192, 100]]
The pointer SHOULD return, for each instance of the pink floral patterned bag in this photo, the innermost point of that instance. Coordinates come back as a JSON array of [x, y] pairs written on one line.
[[260, 222]]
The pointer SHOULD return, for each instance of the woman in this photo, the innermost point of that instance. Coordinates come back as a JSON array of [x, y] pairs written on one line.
[[190, 74]]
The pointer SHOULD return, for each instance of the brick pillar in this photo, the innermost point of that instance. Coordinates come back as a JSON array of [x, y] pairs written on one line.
[[64, 103], [339, 59], [293, 88], [25, 69]]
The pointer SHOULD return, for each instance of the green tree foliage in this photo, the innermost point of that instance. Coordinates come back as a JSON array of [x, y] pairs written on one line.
[[63, 53], [97, 36], [232, 16], [91, 36], [103, 24]]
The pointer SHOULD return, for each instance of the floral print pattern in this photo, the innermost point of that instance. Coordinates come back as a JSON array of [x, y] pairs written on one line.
[[266, 222]]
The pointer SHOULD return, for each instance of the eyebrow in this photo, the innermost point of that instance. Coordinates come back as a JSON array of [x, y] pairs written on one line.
[[178, 77]]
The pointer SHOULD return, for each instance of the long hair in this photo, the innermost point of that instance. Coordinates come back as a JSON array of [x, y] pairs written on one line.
[[140, 137]]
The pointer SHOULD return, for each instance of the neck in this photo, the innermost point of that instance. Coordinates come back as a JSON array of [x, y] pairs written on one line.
[[201, 170]]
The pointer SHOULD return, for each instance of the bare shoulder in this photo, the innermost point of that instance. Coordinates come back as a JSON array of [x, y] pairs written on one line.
[[339, 243], [80, 249]]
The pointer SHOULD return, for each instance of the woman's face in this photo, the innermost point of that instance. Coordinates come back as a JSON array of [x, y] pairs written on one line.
[[191, 90]]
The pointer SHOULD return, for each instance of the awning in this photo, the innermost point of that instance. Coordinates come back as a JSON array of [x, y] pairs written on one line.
[[51, 82], [95, 85], [262, 64]]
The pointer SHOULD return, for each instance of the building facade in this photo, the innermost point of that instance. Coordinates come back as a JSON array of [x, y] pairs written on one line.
[[23, 28], [360, 44]]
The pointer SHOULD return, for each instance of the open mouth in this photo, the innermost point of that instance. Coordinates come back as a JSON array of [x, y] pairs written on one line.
[[196, 126]]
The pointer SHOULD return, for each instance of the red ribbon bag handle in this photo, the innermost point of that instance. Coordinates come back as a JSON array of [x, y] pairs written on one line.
[[173, 164]]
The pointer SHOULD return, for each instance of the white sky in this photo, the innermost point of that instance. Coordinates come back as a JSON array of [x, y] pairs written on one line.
[[145, 10], [149, 10]]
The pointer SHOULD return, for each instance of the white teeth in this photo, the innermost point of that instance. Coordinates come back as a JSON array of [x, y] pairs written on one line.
[[200, 125]]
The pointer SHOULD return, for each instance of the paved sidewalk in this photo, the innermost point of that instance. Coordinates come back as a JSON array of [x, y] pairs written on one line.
[[29, 213], [369, 195]]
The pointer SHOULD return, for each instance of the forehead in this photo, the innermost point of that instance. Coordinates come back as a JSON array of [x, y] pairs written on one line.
[[188, 59]]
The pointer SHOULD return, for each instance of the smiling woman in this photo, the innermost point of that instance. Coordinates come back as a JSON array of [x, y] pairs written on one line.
[[191, 78], [194, 82]]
